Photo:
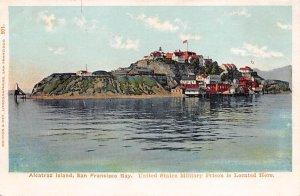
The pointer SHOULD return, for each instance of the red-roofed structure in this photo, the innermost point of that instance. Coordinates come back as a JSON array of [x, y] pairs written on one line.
[[188, 54], [246, 71], [228, 67], [169, 55], [156, 54], [246, 68], [178, 56]]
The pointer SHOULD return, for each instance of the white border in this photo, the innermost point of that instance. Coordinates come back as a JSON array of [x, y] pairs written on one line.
[[284, 183]]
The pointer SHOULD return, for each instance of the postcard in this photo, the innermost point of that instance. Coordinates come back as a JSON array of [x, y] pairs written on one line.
[[150, 98]]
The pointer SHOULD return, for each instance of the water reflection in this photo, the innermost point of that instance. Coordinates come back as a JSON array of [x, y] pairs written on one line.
[[175, 124], [222, 134]]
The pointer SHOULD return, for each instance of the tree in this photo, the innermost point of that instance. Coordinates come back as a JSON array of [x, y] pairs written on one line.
[[201, 70], [226, 77], [214, 68], [206, 70], [236, 75], [208, 65], [195, 62]]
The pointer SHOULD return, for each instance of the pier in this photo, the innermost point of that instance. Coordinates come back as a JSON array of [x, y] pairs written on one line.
[[19, 92]]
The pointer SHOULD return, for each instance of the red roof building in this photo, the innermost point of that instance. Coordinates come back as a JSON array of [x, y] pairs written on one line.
[[178, 56], [228, 67], [156, 54], [188, 54], [246, 69], [169, 55], [179, 53]]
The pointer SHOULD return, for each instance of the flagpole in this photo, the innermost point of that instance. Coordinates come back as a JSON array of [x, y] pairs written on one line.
[[187, 44]]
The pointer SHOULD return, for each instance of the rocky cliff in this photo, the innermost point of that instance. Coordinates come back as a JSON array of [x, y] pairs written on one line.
[[276, 86], [173, 70], [72, 85]]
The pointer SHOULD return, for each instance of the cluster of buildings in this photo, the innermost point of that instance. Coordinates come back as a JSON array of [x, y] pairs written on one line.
[[195, 85], [191, 84], [178, 56]]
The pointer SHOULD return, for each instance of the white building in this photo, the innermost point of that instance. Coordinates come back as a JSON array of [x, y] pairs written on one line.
[[83, 73], [189, 79], [212, 79], [200, 78], [178, 57], [201, 60]]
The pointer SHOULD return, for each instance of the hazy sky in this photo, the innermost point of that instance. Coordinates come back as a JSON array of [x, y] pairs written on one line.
[[44, 40]]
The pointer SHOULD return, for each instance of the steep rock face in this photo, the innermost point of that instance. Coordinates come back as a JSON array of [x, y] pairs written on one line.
[[276, 86], [174, 70], [72, 85]]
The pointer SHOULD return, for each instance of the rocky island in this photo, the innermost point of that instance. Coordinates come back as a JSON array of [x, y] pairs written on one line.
[[70, 85], [157, 75]]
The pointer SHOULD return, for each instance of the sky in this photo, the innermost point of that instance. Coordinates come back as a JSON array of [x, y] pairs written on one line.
[[46, 40]]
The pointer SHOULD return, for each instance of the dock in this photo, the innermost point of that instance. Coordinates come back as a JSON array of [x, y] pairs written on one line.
[[19, 92]]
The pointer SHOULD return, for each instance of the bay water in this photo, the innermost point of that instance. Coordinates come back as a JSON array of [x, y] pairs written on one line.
[[229, 134]]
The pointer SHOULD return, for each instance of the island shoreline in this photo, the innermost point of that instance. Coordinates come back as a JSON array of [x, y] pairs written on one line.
[[57, 97]]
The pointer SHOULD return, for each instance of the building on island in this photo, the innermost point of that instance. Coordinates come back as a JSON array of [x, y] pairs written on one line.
[[201, 61], [199, 57], [200, 78], [188, 79], [169, 55], [178, 57], [228, 67], [177, 91], [155, 55], [83, 73], [120, 71], [101, 73], [212, 79], [246, 71], [147, 57], [188, 54], [191, 92], [188, 57], [141, 71]]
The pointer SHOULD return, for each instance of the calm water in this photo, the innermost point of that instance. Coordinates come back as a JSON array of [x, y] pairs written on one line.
[[158, 135]]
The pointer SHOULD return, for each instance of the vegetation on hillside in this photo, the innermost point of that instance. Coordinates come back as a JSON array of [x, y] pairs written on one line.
[[60, 84]]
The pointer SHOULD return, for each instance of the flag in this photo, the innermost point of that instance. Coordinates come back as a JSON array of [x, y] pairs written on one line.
[[185, 42]]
